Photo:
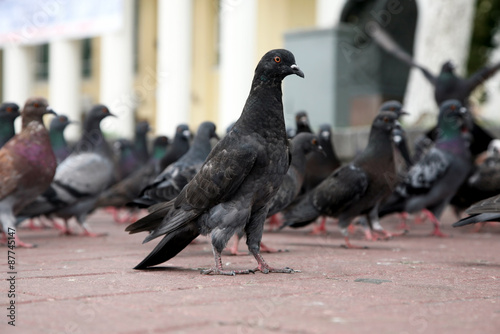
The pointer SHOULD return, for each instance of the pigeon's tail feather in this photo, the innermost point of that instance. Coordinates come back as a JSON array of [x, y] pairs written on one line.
[[170, 246], [151, 221], [141, 202], [478, 218], [300, 214]]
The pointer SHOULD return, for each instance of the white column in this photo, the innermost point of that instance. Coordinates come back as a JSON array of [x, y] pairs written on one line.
[[65, 72], [238, 58], [438, 39], [117, 76], [18, 73], [173, 65], [328, 12]]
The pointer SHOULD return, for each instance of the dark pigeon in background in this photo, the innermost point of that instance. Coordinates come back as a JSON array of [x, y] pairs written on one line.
[[8, 114], [127, 161], [433, 181], [447, 86], [80, 178], [302, 122], [487, 210], [302, 147], [179, 147], [129, 188], [355, 189], [236, 183], [27, 165], [169, 183], [141, 151], [57, 140]]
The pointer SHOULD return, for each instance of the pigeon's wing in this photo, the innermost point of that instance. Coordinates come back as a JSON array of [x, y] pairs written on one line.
[[8, 174], [424, 174], [385, 41], [341, 189], [489, 205], [481, 76], [221, 175]]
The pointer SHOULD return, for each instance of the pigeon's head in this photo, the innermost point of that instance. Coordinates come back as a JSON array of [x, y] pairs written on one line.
[[386, 121], [9, 111], [307, 142], [99, 112], [448, 67], [453, 117], [209, 128], [59, 123], [393, 106], [325, 132], [182, 132], [275, 65], [34, 109], [142, 128], [301, 119]]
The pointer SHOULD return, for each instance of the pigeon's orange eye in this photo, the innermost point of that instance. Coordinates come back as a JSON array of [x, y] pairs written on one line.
[[315, 142], [453, 107], [277, 59], [36, 105], [9, 109], [104, 110], [386, 119]]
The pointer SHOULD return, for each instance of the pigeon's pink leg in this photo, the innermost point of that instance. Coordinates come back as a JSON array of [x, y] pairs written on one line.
[[321, 229], [87, 233], [265, 268], [437, 225], [20, 243], [234, 248], [267, 249], [403, 221], [274, 222], [217, 270]]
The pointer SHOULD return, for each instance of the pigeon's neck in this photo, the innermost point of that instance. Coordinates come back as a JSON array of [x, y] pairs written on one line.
[[141, 145], [158, 153], [6, 129], [299, 159], [379, 148], [263, 111], [57, 139], [93, 140]]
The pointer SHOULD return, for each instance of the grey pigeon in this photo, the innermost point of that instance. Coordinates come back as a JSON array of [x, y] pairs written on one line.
[[354, 189], [169, 183], [240, 176], [80, 178], [179, 147], [27, 165], [433, 181], [487, 210], [8, 114], [302, 147], [57, 140], [129, 188]]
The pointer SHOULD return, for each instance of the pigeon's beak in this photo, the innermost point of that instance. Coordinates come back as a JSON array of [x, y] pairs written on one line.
[[110, 114], [297, 70], [186, 133], [403, 112], [50, 111]]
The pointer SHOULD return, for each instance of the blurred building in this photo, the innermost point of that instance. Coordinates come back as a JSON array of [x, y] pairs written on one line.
[[193, 60]]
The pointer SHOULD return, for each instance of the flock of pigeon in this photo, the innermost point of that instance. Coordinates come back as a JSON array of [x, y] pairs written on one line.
[[258, 171]]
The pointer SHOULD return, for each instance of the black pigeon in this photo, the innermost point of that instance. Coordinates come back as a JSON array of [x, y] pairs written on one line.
[[169, 183], [487, 210], [27, 166], [433, 181], [179, 146], [129, 188], [302, 122], [354, 189], [240, 176], [8, 114], [127, 161], [141, 151], [447, 86], [57, 140], [80, 178], [302, 147]]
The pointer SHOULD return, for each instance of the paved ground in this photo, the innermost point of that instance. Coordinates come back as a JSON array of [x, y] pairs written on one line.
[[411, 284]]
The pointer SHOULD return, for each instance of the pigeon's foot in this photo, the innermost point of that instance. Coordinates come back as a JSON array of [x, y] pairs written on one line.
[[421, 217], [320, 229], [403, 219], [20, 243], [267, 249], [217, 271], [122, 216], [234, 248], [351, 246], [274, 222], [87, 233], [67, 232], [32, 226], [438, 233], [264, 268]]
